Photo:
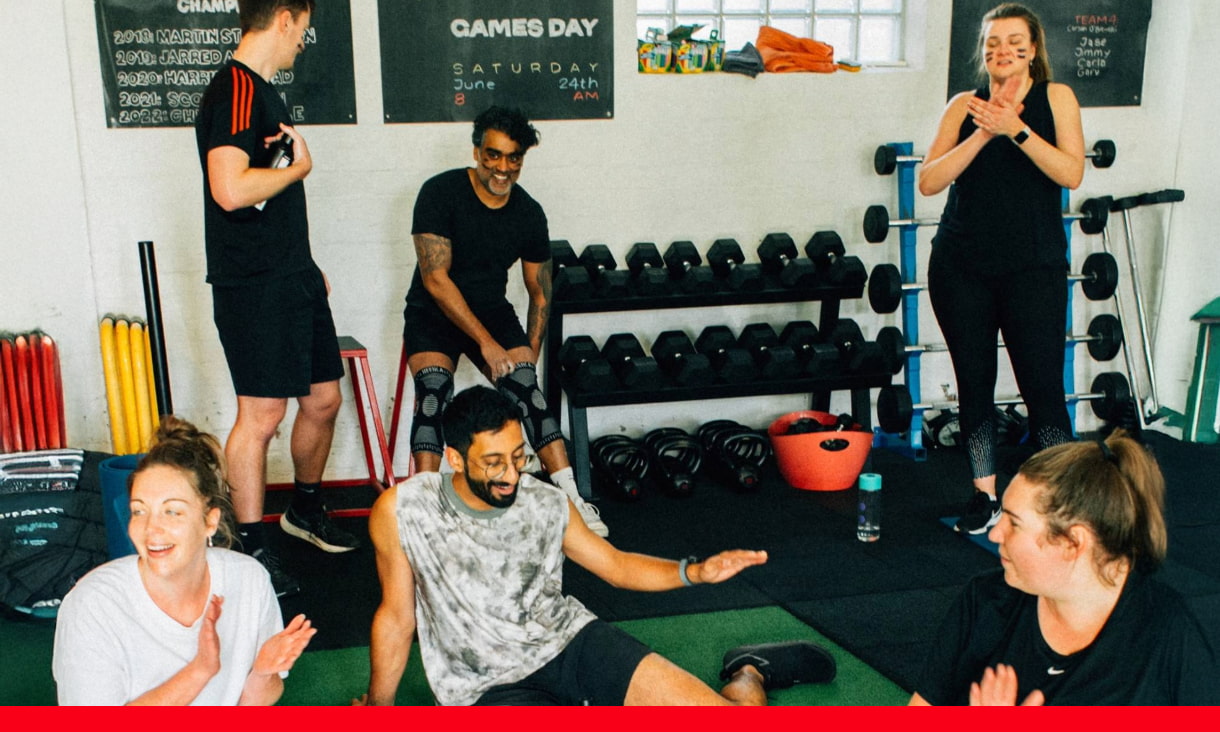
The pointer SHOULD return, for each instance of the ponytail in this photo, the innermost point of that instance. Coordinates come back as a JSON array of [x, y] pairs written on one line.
[[1114, 487]]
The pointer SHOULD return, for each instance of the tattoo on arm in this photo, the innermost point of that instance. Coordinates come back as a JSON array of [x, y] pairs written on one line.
[[433, 252], [538, 314]]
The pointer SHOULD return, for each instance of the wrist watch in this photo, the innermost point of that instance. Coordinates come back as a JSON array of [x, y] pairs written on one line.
[[1022, 136], [682, 565]]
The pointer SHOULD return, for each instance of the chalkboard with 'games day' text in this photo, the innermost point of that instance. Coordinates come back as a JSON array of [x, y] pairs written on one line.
[[1095, 46], [158, 56], [447, 61]]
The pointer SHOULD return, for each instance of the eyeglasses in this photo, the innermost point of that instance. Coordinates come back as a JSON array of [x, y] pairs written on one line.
[[492, 156], [498, 469]]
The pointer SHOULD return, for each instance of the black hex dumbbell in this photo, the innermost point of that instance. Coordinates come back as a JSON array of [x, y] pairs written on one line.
[[856, 355], [825, 249], [728, 262], [608, 280], [777, 252], [815, 357], [679, 360], [685, 267], [582, 361], [571, 279], [731, 363], [648, 273], [626, 356], [774, 360]]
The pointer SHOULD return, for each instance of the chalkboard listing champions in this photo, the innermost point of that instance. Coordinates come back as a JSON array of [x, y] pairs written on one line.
[[449, 61], [158, 56]]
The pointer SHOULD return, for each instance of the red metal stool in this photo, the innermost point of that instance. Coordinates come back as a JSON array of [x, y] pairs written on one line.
[[357, 357], [394, 411]]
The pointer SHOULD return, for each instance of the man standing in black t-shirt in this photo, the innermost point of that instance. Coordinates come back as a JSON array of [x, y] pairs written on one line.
[[470, 226], [269, 297]]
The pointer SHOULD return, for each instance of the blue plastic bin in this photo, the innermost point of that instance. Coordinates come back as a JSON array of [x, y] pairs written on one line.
[[116, 511]]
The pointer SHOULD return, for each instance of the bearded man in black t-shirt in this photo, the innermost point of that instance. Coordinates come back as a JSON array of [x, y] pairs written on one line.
[[470, 226]]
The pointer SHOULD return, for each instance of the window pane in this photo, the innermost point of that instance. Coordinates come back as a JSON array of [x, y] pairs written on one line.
[[694, 6], [874, 6], [878, 39], [835, 6], [838, 32], [740, 31], [795, 26], [743, 6], [781, 6], [651, 6]]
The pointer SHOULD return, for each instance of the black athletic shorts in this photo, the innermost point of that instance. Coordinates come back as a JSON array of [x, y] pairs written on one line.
[[428, 330], [279, 336], [594, 670]]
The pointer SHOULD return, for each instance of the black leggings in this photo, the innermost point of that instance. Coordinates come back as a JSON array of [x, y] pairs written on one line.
[[1029, 308]]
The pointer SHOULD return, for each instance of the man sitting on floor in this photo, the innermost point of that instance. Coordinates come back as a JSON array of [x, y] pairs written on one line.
[[474, 559]]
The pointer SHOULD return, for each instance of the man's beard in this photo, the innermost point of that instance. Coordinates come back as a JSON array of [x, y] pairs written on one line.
[[482, 489]]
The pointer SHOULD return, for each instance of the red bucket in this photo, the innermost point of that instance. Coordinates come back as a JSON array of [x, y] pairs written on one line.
[[819, 461]]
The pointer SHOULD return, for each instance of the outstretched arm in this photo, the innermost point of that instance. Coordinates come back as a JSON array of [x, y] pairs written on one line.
[[394, 621], [435, 255], [631, 571]]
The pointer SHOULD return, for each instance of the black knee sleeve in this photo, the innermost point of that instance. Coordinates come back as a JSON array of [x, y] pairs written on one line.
[[433, 391], [522, 387]]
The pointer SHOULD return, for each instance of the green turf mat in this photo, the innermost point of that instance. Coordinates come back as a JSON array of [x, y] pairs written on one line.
[[694, 642]]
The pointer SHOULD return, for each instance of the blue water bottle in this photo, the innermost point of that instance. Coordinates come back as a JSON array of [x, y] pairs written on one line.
[[868, 520]]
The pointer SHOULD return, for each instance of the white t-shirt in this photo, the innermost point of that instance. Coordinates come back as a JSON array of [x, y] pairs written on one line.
[[112, 642]]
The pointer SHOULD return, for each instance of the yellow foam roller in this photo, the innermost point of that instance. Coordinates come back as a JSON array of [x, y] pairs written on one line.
[[139, 380], [127, 387], [114, 397]]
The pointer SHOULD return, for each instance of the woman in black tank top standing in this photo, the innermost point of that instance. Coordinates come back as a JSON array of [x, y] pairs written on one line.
[[999, 259]]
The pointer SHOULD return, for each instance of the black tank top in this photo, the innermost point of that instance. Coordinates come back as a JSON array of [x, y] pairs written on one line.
[[1003, 214]]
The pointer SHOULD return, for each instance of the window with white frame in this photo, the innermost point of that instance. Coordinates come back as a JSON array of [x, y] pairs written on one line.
[[865, 31]]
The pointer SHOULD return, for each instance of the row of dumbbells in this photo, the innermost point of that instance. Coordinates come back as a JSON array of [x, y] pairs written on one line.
[[719, 356], [670, 458], [1098, 280], [680, 270]]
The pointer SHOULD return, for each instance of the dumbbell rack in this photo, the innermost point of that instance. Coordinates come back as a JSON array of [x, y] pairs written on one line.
[[820, 388], [912, 445]]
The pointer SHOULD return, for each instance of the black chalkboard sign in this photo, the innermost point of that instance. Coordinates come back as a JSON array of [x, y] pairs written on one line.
[[158, 56], [1096, 46], [448, 61]]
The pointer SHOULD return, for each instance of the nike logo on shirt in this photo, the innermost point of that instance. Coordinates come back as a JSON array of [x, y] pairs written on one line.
[[1052, 671]]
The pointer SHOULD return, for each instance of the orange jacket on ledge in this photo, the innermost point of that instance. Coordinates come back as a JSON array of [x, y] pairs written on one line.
[[782, 52]]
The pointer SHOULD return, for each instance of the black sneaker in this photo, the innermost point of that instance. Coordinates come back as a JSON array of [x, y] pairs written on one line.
[[283, 583], [319, 530], [782, 664], [982, 512]]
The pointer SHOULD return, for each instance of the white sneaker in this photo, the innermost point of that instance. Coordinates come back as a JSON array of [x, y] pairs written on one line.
[[592, 517]]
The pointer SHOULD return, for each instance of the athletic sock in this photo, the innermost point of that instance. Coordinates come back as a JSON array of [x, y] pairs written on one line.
[[306, 498], [251, 537], [565, 480]]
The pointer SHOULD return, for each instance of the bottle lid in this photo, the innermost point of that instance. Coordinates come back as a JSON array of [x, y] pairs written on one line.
[[870, 482]]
